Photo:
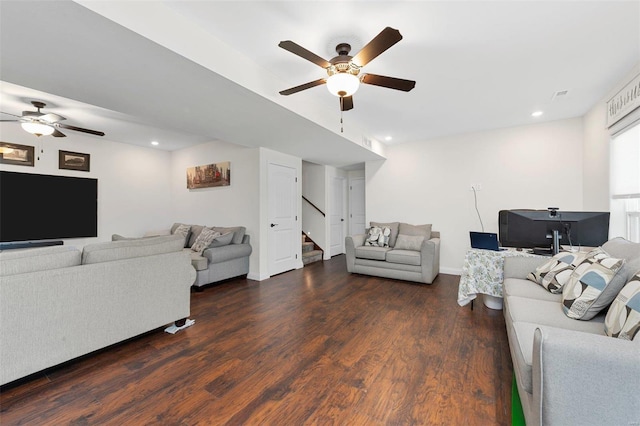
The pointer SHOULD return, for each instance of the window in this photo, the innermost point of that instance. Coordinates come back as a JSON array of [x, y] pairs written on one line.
[[625, 184]]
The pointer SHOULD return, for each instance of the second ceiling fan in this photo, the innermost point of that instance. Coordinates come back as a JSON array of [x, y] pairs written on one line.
[[343, 70]]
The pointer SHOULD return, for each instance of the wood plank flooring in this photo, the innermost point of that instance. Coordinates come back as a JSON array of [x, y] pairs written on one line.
[[315, 346]]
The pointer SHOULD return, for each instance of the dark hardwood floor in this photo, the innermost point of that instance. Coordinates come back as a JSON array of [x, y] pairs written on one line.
[[312, 346]]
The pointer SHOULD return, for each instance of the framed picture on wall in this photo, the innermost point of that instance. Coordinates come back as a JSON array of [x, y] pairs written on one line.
[[73, 161], [19, 155], [218, 174]]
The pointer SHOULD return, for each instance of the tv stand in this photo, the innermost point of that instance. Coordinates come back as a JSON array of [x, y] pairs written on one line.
[[30, 244]]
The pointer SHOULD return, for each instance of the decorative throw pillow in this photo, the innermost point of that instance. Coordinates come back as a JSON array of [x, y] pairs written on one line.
[[409, 242], [393, 226], [204, 240], [555, 273], [588, 290], [623, 318], [184, 231], [222, 240], [378, 237]]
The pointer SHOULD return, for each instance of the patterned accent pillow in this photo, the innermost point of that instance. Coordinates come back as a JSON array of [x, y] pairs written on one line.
[[378, 237], [588, 290], [555, 273], [204, 240], [623, 318], [409, 242], [183, 230]]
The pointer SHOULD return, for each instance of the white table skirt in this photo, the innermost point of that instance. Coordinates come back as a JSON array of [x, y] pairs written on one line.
[[483, 272]]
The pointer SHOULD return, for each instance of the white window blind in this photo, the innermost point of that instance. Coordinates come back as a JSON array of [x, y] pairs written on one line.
[[625, 184]]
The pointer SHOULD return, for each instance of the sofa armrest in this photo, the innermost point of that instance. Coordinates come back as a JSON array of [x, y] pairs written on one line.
[[350, 243], [583, 378], [430, 254], [519, 267]]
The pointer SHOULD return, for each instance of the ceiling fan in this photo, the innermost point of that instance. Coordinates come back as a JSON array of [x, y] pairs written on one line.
[[39, 123], [343, 71]]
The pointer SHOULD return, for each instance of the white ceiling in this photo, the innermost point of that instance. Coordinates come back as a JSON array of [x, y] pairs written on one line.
[[208, 70]]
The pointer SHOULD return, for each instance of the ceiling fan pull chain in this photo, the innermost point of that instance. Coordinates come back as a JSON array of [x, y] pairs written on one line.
[[341, 111]]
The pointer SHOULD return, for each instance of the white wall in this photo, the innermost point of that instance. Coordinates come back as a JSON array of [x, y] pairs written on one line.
[[132, 181], [534, 166], [233, 205]]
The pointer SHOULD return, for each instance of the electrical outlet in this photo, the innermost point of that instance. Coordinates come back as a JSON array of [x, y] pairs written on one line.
[[476, 186]]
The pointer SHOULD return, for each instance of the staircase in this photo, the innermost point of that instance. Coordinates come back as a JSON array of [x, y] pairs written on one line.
[[310, 252]]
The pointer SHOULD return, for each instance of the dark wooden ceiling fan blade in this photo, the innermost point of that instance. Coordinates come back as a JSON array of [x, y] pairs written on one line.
[[388, 82], [346, 103], [13, 121], [387, 38], [79, 129], [302, 87], [51, 117], [296, 49], [58, 134]]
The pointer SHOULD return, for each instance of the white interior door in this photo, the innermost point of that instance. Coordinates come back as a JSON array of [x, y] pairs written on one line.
[[357, 224], [282, 219], [336, 216]]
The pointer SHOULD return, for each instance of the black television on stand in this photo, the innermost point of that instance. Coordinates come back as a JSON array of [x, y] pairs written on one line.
[[36, 207], [545, 231]]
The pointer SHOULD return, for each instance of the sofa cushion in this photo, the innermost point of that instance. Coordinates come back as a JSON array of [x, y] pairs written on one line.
[[409, 242], [203, 241], [591, 287], [238, 232], [393, 227], [405, 257], [555, 273], [228, 252], [371, 252], [523, 353], [627, 250], [21, 261], [116, 250], [623, 318], [200, 263], [422, 230], [523, 288], [549, 313], [222, 240], [378, 236]]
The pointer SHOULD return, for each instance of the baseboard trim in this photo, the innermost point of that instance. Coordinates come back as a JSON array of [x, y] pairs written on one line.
[[257, 277], [451, 271]]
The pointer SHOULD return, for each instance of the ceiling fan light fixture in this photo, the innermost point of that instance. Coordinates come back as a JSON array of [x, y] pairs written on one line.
[[343, 84], [37, 129]]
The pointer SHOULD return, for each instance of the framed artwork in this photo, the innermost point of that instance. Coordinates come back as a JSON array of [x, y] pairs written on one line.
[[20, 155], [218, 174], [73, 161]]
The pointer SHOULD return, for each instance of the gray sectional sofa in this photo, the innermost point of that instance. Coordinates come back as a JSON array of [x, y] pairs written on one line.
[[59, 303], [221, 260], [412, 253], [568, 371]]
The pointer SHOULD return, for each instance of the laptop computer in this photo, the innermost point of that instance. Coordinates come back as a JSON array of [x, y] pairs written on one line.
[[484, 240]]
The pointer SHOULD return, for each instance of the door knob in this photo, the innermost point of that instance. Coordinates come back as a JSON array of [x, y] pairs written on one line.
[[274, 224]]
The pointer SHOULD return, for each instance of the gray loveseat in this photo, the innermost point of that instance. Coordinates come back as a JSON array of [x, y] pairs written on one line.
[[569, 371], [227, 259], [59, 303], [412, 254]]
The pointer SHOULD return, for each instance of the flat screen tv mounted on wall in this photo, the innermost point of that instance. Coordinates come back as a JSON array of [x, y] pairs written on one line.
[[42, 207]]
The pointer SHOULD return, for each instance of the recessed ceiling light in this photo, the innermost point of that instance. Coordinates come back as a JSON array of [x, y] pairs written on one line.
[[155, 143], [536, 114], [388, 138]]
